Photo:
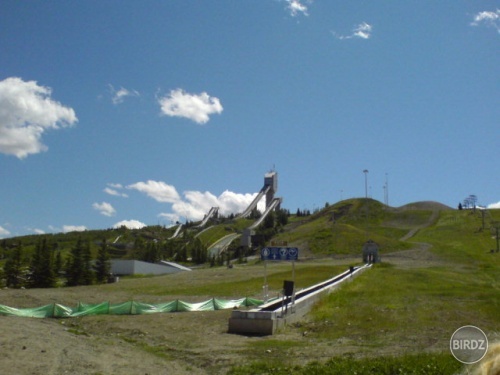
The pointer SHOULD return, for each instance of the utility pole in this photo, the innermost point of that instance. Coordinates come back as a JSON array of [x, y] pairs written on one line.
[[366, 182], [498, 247], [495, 226], [386, 189], [366, 205]]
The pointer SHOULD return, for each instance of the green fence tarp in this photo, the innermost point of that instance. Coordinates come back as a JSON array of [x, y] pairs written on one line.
[[55, 310]]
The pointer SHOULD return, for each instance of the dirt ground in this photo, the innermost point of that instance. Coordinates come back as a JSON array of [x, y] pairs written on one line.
[[169, 343]]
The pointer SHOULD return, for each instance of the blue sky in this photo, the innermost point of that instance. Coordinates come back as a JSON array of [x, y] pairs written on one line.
[[149, 112]]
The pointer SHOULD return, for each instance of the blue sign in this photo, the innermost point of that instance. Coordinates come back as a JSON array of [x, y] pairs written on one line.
[[279, 253]]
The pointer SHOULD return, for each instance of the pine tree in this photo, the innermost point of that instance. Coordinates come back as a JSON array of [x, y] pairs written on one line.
[[139, 249], [87, 272], [13, 267], [199, 253], [42, 266], [3, 247], [282, 217], [269, 220], [183, 255], [102, 266], [58, 263], [74, 266]]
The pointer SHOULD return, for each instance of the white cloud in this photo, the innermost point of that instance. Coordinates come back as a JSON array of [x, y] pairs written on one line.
[[296, 7], [112, 189], [191, 106], [158, 190], [194, 205], [26, 112], [118, 96], [38, 231], [197, 204], [488, 19], [494, 205], [230, 202], [3, 232], [114, 192], [104, 208], [74, 228], [130, 224], [363, 31]]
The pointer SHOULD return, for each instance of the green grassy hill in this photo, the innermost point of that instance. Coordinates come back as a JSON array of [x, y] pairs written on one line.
[[438, 273], [400, 315], [343, 228], [339, 229]]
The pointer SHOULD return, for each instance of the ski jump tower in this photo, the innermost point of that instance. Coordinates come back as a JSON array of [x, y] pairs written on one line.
[[269, 189], [271, 183]]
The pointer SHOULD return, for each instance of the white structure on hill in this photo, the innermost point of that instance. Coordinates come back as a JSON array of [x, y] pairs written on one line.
[[121, 267]]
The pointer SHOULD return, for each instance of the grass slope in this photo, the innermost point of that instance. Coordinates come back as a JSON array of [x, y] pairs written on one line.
[[390, 310], [343, 228], [398, 315]]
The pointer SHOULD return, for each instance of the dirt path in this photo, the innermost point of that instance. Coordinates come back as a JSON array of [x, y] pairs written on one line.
[[432, 219]]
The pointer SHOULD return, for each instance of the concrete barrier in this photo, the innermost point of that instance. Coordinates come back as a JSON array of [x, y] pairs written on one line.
[[259, 322]]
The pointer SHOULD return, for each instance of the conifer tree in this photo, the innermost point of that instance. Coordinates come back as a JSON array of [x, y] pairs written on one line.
[[199, 253], [42, 266], [102, 265], [74, 266], [87, 272], [58, 263], [13, 267], [140, 249], [282, 217]]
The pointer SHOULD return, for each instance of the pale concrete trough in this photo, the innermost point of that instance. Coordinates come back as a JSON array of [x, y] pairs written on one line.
[[270, 317]]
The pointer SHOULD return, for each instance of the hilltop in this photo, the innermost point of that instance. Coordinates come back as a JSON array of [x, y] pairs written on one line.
[[338, 229]]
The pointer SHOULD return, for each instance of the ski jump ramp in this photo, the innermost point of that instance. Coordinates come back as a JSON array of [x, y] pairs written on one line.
[[254, 203], [213, 211]]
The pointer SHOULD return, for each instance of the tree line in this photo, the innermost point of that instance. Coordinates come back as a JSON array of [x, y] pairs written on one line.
[[45, 267]]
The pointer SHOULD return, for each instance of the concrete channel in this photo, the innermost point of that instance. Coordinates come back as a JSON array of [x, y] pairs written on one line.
[[270, 317]]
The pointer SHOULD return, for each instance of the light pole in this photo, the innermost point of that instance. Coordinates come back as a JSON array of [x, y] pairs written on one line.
[[366, 205], [366, 182], [386, 189]]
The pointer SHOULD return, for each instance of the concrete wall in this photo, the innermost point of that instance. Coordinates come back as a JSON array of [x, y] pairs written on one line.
[[267, 323], [252, 322]]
